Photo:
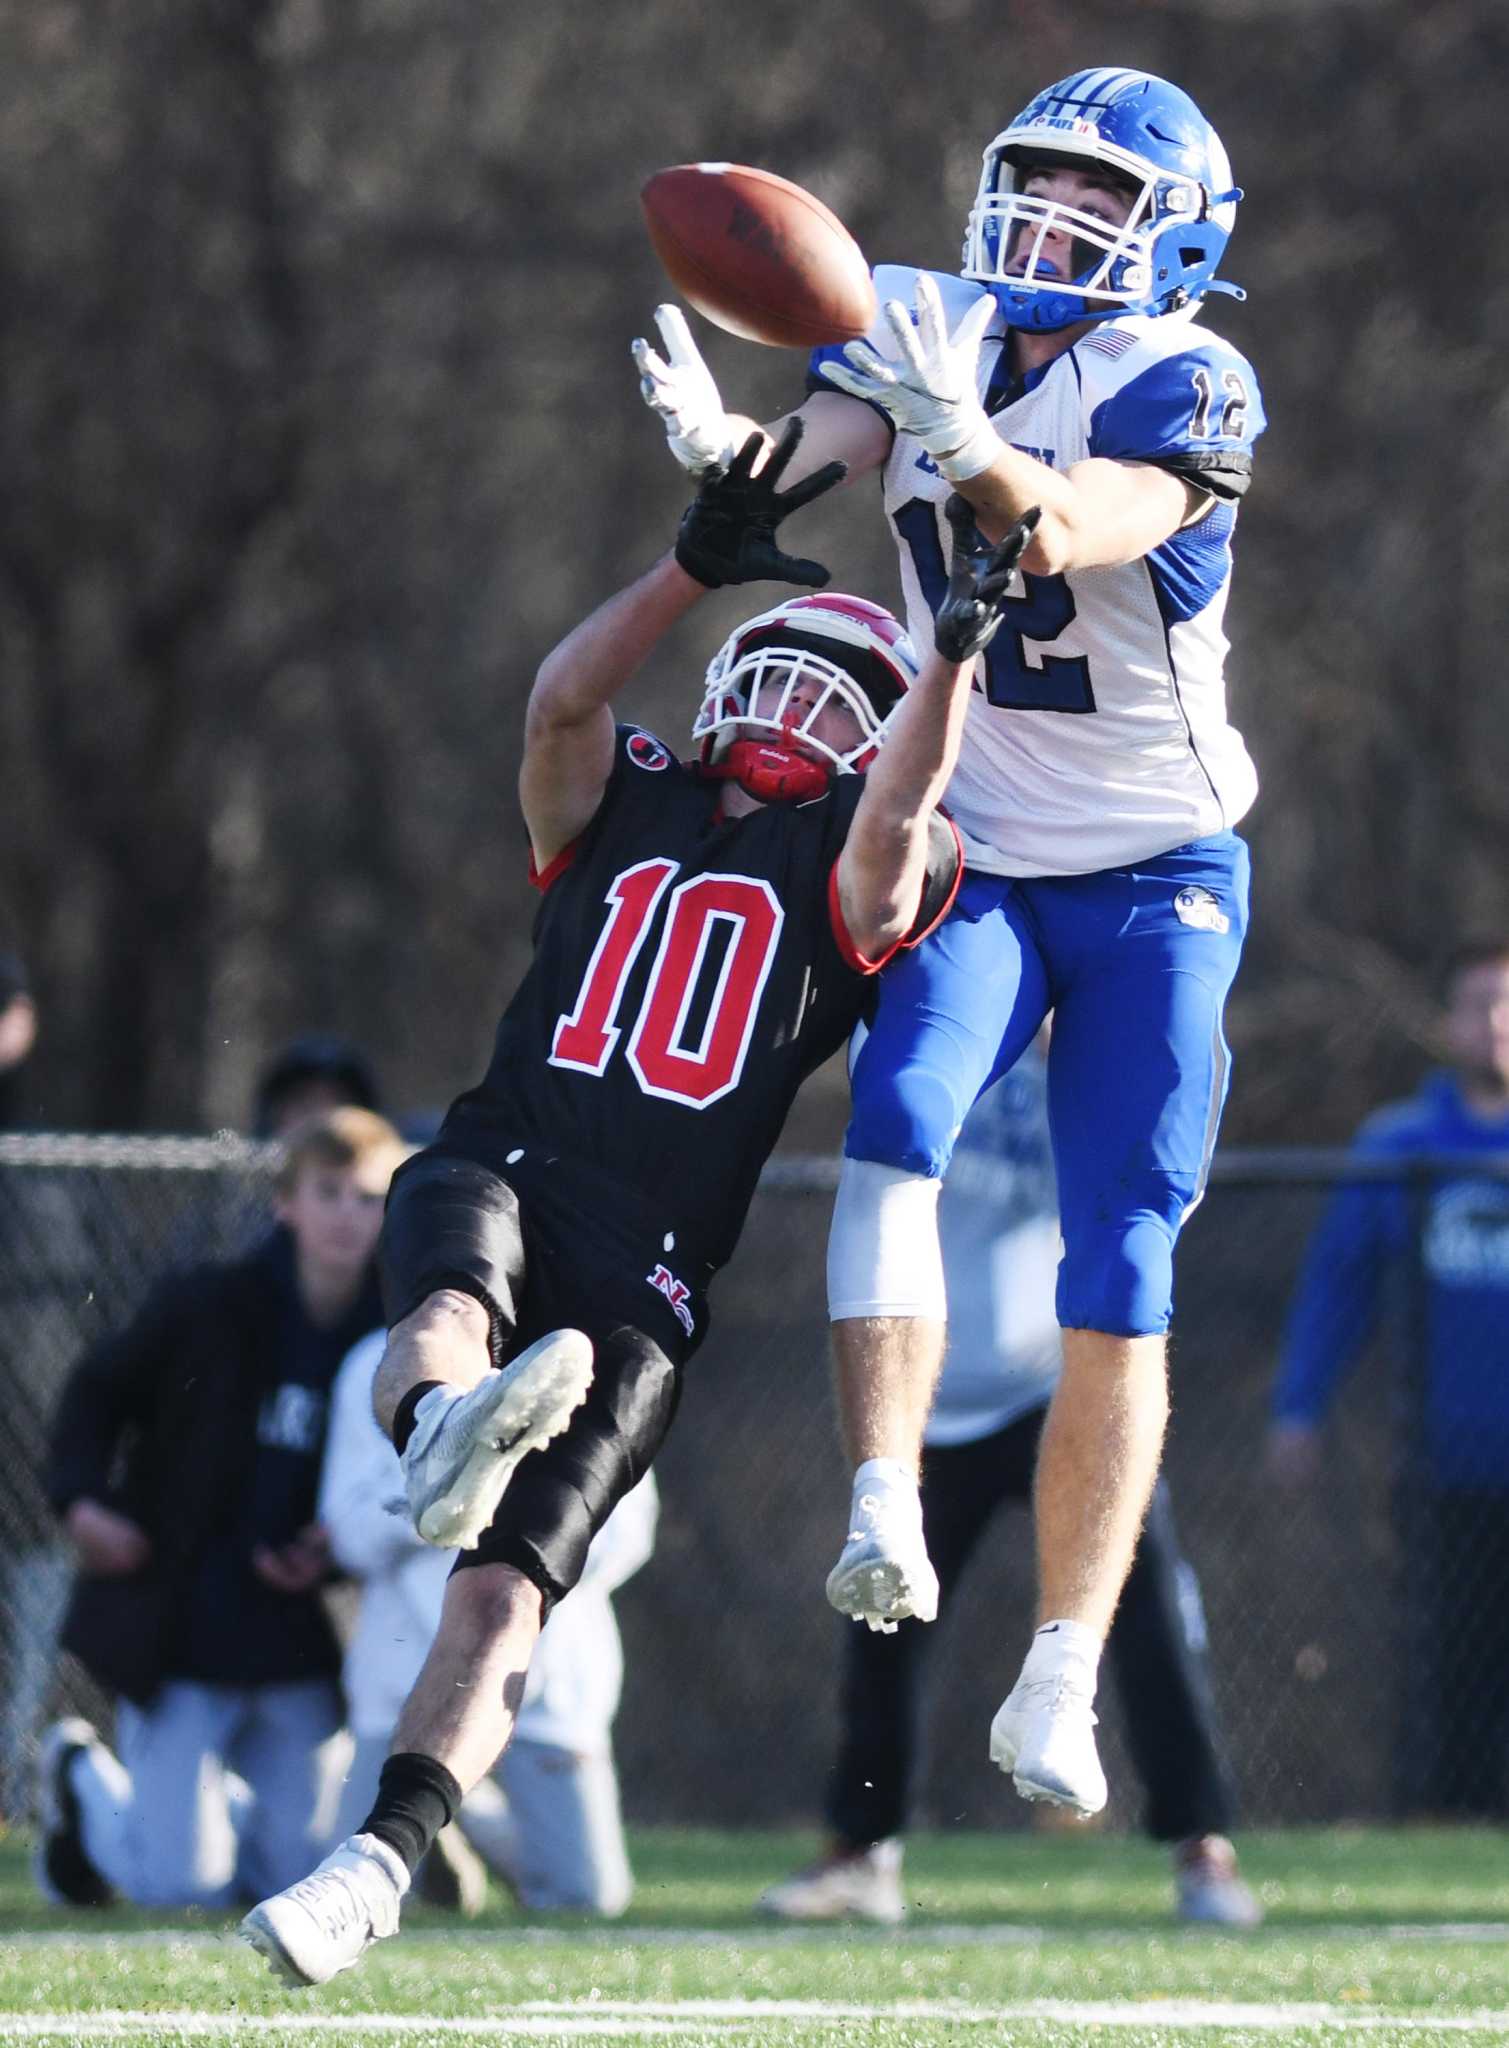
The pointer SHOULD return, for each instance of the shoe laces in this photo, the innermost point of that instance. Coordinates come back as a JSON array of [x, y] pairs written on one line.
[[873, 1513], [1059, 1693], [335, 1900], [448, 1424]]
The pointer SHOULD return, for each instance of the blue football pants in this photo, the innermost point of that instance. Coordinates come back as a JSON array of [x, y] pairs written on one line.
[[1134, 963]]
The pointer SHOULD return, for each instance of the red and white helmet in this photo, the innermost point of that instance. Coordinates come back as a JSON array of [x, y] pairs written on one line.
[[854, 649]]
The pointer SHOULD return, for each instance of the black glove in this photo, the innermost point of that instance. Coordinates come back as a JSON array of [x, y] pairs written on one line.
[[727, 533], [977, 581]]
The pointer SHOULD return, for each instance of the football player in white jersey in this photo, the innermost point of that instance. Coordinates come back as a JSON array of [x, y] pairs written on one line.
[[1096, 794]]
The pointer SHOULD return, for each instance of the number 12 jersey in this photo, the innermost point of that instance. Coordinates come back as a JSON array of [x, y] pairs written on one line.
[[1097, 732]]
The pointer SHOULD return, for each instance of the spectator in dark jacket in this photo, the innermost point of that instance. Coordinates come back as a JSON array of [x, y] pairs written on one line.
[[185, 1464]]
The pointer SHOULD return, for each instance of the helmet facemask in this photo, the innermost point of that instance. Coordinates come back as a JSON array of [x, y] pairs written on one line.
[[769, 684], [1110, 261]]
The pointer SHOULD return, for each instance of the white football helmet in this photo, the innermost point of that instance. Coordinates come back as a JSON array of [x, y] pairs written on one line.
[[857, 652]]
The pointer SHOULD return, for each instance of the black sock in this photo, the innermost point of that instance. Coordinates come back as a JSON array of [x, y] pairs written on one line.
[[403, 1420], [416, 1796]]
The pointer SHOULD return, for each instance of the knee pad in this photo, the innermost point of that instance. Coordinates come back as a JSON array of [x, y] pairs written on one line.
[[883, 1253], [1117, 1273]]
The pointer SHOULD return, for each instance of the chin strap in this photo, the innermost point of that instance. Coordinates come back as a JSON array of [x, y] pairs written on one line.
[[771, 774]]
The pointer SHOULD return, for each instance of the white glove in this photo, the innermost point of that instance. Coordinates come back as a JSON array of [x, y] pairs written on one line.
[[929, 386], [679, 386]]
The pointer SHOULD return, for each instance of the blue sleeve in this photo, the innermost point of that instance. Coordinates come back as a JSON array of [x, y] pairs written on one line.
[[891, 281], [829, 352], [1336, 1304], [1198, 410], [833, 352]]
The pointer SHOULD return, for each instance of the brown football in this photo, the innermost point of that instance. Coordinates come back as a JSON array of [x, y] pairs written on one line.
[[758, 255]]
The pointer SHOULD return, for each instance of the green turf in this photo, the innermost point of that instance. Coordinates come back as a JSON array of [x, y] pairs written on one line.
[[1367, 1925]]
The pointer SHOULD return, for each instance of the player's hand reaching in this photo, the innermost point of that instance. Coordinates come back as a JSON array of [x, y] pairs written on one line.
[[979, 580], [680, 387], [930, 385], [727, 533]]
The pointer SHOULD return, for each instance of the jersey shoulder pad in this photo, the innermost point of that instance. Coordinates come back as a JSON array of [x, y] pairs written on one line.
[[898, 281], [643, 773], [1182, 392], [837, 805]]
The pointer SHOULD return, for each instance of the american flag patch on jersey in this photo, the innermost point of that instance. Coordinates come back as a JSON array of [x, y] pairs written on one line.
[[1112, 345]]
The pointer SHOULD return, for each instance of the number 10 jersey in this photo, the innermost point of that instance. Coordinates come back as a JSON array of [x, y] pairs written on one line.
[[689, 972], [1097, 731]]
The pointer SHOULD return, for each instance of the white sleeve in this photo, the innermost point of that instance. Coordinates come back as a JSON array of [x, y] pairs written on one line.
[[360, 1477]]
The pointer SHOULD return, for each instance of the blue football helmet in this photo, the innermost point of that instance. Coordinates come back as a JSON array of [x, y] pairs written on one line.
[[1155, 141]]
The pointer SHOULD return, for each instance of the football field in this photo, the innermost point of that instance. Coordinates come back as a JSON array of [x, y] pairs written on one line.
[[1381, 1937]]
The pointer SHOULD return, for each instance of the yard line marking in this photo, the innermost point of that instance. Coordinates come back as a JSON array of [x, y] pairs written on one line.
[[615, 2018], [919, 1934], [191, 2025]]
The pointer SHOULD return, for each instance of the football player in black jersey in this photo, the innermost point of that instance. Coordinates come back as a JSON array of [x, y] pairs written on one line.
[[706, 937]]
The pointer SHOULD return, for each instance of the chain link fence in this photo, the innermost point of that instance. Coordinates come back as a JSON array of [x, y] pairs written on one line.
[[1320, 1603]]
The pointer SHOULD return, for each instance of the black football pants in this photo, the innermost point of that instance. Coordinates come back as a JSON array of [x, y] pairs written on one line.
[[1155, 1649]]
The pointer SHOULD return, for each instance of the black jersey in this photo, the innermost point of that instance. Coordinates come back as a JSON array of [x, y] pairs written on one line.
[[690, 971]]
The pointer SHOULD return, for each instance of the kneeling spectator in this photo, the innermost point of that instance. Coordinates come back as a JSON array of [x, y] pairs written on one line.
[[547, 1821], [185, 1464]]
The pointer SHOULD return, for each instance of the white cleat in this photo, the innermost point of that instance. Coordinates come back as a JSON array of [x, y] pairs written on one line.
[[864, 1884], [883, 1575], [1044, 1737], [328, 1920], [465, 1447]]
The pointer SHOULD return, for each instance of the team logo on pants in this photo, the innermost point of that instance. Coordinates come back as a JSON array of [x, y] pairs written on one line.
[[676, 1292], [1198, 907]]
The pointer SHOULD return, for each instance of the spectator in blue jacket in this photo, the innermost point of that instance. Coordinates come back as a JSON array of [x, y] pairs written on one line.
[[1444, 1234]]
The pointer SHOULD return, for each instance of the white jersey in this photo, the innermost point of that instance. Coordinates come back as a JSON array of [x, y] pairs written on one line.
[[1097, 732]]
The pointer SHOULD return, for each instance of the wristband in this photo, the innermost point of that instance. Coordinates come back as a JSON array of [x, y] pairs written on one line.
[[973, 456]]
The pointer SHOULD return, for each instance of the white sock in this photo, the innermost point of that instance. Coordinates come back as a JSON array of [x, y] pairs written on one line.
[[1062, 1646]]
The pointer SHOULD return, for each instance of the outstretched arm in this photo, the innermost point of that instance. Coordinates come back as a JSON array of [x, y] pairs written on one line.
[[568, 728], [680, 389], [883, 867], [727, 535]]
